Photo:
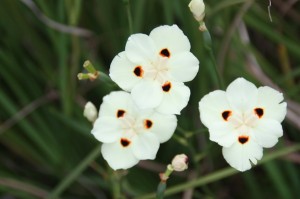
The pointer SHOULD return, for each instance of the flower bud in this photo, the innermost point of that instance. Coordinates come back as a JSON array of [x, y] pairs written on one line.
[[197, 7], [90, 112], [180, 162]]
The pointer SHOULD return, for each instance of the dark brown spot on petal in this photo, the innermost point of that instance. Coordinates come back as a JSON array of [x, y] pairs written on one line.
[[226, 115], [243, 139], [120, 113], [165, 53], [166, 87], [138, 71], [124, 142], [259, 112], [148, 124]]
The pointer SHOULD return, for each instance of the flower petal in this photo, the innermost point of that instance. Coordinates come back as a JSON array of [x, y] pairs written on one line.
[[270, 100], [239, 155], [140, 48], [147, 94], [223, 133], [175, 99], [266, 132], [145, 146], [107, 129], [115, 102], [122, 72], [171, 38], [241, 94], [212, 106], [117, 156], [183, 67], [162, 125]]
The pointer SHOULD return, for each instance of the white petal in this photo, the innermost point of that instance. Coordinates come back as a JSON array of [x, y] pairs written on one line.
[[239, 155], [170, 37], [270, 100], [107, 129], [266, 132], [145, 146], [212, 106], [147, 94], [115, 101], [241, 94], [140, 48], [175, 99], [121, 72], [163, 125], [183, 67], [223, 133], [117, 156]]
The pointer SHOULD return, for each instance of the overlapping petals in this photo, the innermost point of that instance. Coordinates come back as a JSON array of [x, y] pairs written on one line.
[[243, 120], [128, 133], [153, 68]]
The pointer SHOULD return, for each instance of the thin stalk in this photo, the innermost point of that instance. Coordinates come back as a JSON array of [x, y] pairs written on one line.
[[218, 175], [129, 16], [68, 180], [208, 46]]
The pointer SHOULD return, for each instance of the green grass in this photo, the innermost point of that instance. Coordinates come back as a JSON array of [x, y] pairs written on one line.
[[46, 149]]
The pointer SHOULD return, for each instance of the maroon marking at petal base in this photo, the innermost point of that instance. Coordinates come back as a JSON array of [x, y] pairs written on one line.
[[243, 139], [138, 71], [120, 113], [166, 87], [124, 142], [259, 112], [226, 115], [148, 124], [165, 53]]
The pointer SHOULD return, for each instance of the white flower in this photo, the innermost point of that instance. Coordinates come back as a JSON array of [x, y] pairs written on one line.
[[128, 133], [90, 111], [243, 120], [153, 68], [180, 162], [197, 7]]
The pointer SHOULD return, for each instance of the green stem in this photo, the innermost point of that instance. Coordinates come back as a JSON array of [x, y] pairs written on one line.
[[208, 47], [222, 173], [129, 16], [68, 180]]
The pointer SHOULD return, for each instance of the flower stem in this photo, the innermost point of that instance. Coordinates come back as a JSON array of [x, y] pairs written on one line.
[[208, 47], [223, 173], [68, 180], [129, 16]]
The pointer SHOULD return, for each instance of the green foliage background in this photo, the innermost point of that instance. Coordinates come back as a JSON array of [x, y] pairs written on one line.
[[46, 149]]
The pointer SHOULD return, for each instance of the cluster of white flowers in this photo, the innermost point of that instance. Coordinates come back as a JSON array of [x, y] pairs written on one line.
[[152, 71]]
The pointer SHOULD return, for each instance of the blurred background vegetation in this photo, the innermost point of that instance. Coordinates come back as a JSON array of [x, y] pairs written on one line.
[[46, 149]]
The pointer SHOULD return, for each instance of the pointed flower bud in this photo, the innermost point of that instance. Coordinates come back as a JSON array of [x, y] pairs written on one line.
[[197, 7], [180, 162], [90, 112]]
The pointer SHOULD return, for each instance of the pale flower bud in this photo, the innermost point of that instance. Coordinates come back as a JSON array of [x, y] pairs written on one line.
[[180, 162], [197, 7], [90, 112]]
